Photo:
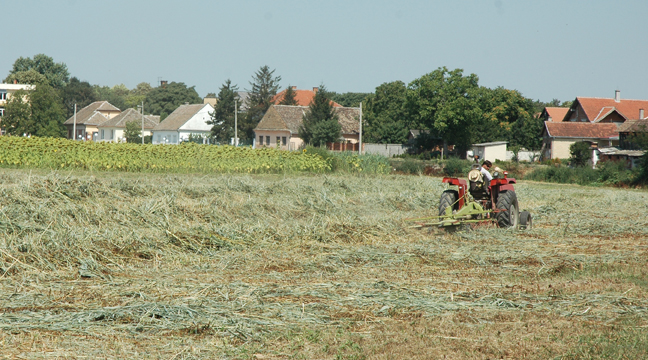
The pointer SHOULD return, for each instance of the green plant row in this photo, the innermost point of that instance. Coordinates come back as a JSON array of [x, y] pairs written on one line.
[[188, 157]]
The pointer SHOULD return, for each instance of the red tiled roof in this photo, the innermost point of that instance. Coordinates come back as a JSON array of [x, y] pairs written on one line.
[[597, 108], [303, 97], [581, 130], [556, 113]]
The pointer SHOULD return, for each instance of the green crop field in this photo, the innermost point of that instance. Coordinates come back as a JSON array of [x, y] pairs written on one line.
[[183, 266]]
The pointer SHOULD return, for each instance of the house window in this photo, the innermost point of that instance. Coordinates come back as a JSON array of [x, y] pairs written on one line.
[[283, 141], [159, 138], [112, 133], [174, 139], [3, 95], [1, 112], [260, 140], [102, 134], [267, 140]]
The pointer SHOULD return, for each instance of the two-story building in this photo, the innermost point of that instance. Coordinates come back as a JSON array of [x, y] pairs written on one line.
[[7, 91]]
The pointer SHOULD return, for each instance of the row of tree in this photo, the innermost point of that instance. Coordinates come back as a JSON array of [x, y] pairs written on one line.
[[455, 109], [451, 106]]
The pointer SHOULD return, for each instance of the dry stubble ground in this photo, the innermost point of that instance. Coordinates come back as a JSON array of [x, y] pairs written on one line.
[[111, 265]]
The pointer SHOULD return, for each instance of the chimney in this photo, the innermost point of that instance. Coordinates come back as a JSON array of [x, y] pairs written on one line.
[[617, 95], [163, 83], [15, 81], [294, 87], [315, 89], [641, 114]]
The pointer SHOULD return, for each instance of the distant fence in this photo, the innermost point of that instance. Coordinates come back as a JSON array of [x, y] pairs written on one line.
[[388, 150], [344, 146], [523, 155]]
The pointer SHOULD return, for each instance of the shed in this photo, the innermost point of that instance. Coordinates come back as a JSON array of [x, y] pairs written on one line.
[[491, 150]]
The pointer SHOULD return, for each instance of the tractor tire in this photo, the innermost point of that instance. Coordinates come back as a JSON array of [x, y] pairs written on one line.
[[448, 199], [509, 214], [525, 220]]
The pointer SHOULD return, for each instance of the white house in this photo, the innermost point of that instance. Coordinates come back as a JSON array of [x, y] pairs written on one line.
[[6, 92], [184, 121], [490, 151]]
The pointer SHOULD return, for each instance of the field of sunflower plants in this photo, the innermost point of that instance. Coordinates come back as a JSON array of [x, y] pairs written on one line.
[[52, 153]]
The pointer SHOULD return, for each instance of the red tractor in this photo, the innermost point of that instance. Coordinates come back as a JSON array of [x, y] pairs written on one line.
[[473, 201]]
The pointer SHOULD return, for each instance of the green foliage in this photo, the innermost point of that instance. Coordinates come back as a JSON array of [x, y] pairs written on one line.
[[564, 175], [580, 153], [24, 70], [289, 97], [411, 166], [51, 153], [349, 99], [621, 341], [346, 161], [77, 92], [164, 100], [133, 132], [222, 118], [320, 123], [38, 112], [264, 88], [456, 167], [444, 102], [384, 114]]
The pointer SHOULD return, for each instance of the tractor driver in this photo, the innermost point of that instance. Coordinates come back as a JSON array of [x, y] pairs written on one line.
[[486, 165]]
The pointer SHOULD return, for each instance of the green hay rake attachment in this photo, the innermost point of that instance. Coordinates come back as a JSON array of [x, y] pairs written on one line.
[[470, 213]]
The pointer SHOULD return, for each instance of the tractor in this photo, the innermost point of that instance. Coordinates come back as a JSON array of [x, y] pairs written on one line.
[[475, 201]]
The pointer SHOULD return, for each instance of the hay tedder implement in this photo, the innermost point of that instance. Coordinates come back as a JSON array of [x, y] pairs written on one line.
[[471, 202]]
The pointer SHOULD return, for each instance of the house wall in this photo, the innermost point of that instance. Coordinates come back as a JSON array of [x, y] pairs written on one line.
[[614, 117], [184, 135], [292, 142], [172, 137], [560, 148]]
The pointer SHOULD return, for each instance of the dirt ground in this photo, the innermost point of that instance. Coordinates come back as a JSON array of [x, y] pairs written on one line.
[[312, 267]]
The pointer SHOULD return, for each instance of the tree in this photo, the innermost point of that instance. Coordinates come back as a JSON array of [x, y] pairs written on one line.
[[349, 99], [57, 74], [223, 115], [320, 124], [163, 100], [30, 76], [137, 95], [580, 153], [38, 113], [133, 132], [444, 102], [17, 119], [289, 97], [264, 87], [115, 95], [385, 116], [77, 92]]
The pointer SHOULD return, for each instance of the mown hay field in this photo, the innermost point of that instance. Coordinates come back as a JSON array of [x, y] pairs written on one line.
[[120, 265]]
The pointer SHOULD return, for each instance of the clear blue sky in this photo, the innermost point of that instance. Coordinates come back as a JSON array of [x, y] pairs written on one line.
[[545, 49]]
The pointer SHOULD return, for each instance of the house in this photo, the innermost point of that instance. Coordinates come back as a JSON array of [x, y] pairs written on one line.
[[554, 113], [280, 125], [605, 110], [112, 130], [631, 158], [491, 150], [184, 121], [6, 92], [559, 136], [586, 114], [88, 119], [303, 97]]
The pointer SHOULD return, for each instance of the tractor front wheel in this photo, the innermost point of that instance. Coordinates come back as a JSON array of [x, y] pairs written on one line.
[[448, 200], [507, 205]]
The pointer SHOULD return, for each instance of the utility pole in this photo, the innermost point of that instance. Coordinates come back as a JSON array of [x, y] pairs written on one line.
[[142, 122], [235, 122], [74, 125], [360, 138]]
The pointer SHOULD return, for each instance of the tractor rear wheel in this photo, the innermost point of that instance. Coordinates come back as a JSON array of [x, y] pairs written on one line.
[[507, 205], [448, 199]]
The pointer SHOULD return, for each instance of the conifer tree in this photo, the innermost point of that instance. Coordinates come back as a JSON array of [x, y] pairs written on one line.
[[264, 87], [223, 116], [320, 124], [289, 97]]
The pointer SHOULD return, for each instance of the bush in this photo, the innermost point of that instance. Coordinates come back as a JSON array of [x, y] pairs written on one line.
[[352, 162], [580, 154], [456, 167], [411, 166]]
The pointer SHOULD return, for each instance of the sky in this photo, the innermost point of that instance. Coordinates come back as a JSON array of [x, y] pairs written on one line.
[[544, 49]]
